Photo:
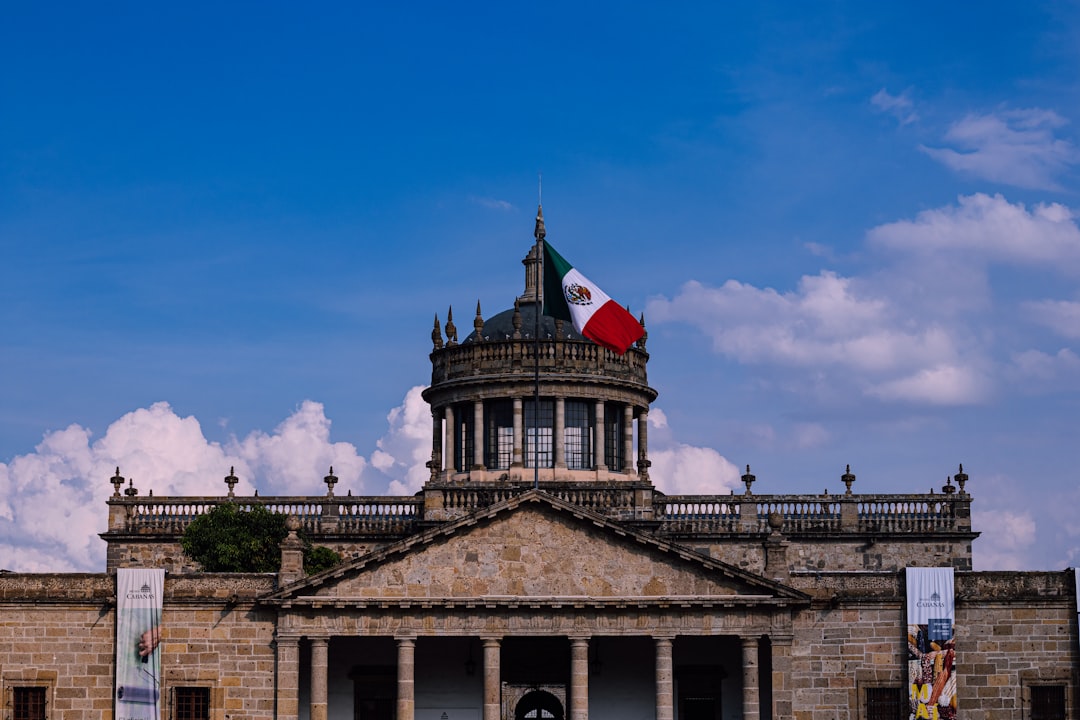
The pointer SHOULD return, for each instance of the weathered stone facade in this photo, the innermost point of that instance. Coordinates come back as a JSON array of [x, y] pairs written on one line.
[[539, 573]]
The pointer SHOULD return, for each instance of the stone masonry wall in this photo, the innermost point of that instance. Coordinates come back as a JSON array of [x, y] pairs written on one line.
[[1012, 630]]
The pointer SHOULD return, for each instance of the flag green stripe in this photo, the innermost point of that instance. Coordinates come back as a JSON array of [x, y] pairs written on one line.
[[555, 268]]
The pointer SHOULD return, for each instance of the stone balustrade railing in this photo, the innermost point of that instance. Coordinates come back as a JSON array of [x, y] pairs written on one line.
[[556, 358], [799, 514], [350, 515], [669, 514]]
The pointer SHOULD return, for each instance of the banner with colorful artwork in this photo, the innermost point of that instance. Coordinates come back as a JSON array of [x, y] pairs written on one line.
[[931, 617], [138, 633]]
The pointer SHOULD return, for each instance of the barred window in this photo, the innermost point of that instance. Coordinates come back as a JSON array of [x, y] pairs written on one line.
[[1047, 702], [577, 435], [28, 703], [886, 703], [538, 433], [463, 437], [613, 436], [499, 434], [191, 703]]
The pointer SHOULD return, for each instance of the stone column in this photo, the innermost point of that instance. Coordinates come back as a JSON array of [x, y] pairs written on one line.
[[628, 439], [598, 432], [288, 678], [751, 688], [406, 670], [492, 679], [436, 445], [318, 678], [665, 695], [519, 433], [478, 435], [558, 433], [579, 679], [643, 444], [448, 442]]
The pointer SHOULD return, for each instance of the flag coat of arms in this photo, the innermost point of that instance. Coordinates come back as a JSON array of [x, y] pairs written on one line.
[[571, 296]]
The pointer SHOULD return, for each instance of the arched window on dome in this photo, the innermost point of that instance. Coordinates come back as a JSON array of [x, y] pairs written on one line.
[[538, 433], [498, 434], [578, 434], [613, 436]]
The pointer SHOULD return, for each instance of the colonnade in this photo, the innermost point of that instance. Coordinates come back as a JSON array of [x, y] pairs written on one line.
[[444, 426], [288, 678]]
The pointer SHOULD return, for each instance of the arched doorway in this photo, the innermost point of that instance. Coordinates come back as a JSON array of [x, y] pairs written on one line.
[[539, 705]]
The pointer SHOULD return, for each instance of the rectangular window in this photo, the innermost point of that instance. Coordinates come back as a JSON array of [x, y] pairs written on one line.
[[886, 703], [538, 433], [463, 437], [499, 434], [191, 703], [613, 437], [28, 703], [1047, 702], [577, 435]]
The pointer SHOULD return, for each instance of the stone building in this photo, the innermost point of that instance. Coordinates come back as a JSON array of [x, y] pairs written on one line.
[[540, 574]]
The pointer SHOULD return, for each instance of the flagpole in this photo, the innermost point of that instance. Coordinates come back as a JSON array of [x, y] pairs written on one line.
[[536, 361]]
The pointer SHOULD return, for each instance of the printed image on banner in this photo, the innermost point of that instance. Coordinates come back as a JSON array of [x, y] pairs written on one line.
[[931, 645], [138, 634]]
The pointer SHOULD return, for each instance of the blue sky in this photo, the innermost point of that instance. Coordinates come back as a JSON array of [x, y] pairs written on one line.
[[225, 231]]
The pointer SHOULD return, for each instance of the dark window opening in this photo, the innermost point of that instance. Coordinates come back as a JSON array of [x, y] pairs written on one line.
[[613, 437], [192, 703], [538, 433], [463, 437], [499, 434], [577, 435], [886, 703], [1048, 702], [28, 703]]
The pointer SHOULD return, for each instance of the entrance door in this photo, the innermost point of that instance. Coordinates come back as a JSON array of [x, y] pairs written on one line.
[[539, 705], [375, 694]]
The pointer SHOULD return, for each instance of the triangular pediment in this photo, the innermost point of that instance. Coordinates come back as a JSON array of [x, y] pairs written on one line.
[[535, 548]]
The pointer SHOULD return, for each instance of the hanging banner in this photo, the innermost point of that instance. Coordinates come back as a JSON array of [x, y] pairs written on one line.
[[138, 633], [931, 645]]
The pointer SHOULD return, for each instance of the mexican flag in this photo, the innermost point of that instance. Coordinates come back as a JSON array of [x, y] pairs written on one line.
[[569, 295]]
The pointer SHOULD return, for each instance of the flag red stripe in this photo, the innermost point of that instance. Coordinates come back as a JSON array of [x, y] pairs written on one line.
[[613, 327]]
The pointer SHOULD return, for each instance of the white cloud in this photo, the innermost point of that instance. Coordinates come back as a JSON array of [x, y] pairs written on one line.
[[408, 443], [899, 106], [983, 228], [681, 469], [54, 499], [491, 203], [941, 385], [1014, 147], [1061, 316], [1007, 539]]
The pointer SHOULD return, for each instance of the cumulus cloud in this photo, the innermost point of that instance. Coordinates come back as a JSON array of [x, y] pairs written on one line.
[[1061, 316], [919, 328], [53, 500], [1013, 147], [982, 229], [899, 106], [681, 469], [1007, 539]]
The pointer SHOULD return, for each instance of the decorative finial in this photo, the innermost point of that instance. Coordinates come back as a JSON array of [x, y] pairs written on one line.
[[539, 232], [436, 334], [117, 482], [644, 333], [451, 328], [330, 481], [961, 479], [748, 480], [131, 490], [848, 479], [231, 481], [478, 323], [948, 488], [516, 319]]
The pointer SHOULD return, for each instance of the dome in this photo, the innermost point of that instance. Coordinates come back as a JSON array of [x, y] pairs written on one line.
[[501, 326]]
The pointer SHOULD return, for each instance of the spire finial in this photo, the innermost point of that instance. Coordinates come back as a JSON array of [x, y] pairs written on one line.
[[478, 323], [848, 479], [539, 232], [748, 480], [436, 334], [451, 328]]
